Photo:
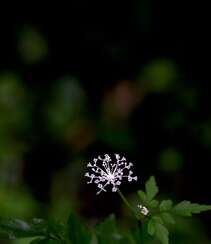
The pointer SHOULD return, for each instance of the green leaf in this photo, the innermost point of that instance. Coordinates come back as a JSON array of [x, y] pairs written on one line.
[[76, 232], [161, 233], [157, 219], [135, 235], [142, 196], [107, 232], [44, 241], [151, 189], [4, 235], [131, 238], [16, 228], [187, 208], [168, 218], [166, 205], [151, 227], [156, 228], [153, 204], [145, 237]]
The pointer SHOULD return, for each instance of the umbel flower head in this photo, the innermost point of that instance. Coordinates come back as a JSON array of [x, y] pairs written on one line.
[[106, 170]]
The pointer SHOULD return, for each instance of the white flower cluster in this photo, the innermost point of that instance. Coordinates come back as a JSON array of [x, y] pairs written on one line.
[[144, 210], [104, 171]]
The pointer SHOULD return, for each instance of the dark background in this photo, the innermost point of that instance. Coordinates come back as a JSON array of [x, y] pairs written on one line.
[[86, 79]]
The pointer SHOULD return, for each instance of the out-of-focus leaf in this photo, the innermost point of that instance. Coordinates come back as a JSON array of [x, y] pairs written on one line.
[[171, 160], [16, 202], [25, 240], [4, 235], [32, 45], [45, 241], [76, 232], [134, 236], [66, 108], [118, 138], [107, 232], [159, 75], [16, 228], [50, 227], [204, 133]]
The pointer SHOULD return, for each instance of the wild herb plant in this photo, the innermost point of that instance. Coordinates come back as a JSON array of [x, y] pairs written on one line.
[[152, 218]]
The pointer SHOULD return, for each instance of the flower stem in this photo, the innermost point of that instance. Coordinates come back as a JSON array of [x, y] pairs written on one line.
[[139, 221], [127, 203]]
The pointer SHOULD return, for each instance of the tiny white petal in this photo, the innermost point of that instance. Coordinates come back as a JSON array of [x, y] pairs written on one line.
[[130, 178], [144, 210], [117, 156], [114, 189]]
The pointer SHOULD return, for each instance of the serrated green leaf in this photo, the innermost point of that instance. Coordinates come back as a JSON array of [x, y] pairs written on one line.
[[142, 196], [162, 233], [107, 232], [153, 204], [166, 205], [187, 208], [151, 189], [151, 227], [76, 232], [168, 218], [157, 219]]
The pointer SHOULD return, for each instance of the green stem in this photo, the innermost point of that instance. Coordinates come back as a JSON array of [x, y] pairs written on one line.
[[134, 213], [141, 231], [127, 203]]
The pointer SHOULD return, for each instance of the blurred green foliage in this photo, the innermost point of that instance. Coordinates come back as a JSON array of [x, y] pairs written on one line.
[[14, 123], [69, 119], [32, 46], [66, 107], [159, 75], [17, 202], [151, 226], [171, 160]]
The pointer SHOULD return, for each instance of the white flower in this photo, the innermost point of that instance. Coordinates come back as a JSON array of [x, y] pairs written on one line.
[[144, 210], [106, 171]]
